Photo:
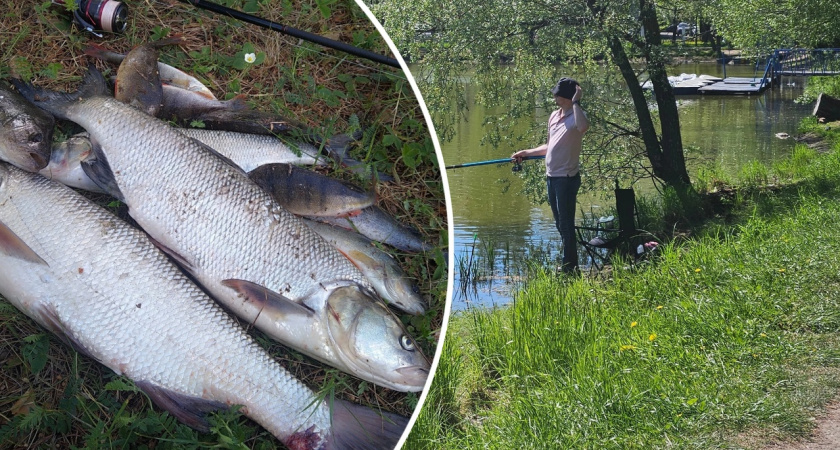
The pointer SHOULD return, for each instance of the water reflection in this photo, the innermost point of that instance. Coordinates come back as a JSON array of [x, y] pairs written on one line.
[[729, 131]]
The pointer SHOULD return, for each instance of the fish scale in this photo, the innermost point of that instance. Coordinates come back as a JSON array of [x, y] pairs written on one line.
[[252, 150], [217, 204], [121, 301], [254, 257]]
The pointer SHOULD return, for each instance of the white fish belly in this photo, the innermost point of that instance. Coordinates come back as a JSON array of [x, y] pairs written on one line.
[[122, 302]]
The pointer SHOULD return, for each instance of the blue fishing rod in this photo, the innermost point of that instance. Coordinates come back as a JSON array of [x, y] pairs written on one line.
[[516, 167]]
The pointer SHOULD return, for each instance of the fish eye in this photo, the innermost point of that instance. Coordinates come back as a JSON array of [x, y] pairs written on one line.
[[406, 343]]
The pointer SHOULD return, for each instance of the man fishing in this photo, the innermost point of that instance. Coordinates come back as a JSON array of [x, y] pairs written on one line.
[[566, 127]]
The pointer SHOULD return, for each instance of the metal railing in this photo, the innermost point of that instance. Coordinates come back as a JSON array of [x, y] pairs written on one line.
[[801, 61]]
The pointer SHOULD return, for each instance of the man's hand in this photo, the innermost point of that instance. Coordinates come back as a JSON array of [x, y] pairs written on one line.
[[578, 93]]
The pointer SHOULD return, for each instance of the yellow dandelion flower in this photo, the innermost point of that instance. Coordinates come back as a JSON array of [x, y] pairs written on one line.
[[633, 324], [659, 307], [697, 270], [652, 337], [627, 347]]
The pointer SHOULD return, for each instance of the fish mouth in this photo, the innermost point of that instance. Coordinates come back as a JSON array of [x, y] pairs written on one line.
[[40, 161], [413, 376]]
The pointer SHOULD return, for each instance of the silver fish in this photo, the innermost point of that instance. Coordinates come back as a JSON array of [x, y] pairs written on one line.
[[103, 287], [25, 132], [250, 151], [377, 225], [66, 167], [66, 163], [381, 269], [254, 257]]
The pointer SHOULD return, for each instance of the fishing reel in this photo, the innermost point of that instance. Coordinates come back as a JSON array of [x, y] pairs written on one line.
[[517, 167], [104, 15]]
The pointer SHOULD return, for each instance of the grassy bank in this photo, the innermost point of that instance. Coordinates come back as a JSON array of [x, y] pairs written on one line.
[[726, 339]]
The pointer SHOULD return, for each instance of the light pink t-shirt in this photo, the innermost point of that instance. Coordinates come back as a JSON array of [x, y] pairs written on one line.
[[564, 142]]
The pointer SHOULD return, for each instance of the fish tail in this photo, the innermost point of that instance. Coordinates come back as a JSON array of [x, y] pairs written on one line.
[[57, 103], [339, 145], [356, 426], [99, 52], [175, 39], [237, 103]]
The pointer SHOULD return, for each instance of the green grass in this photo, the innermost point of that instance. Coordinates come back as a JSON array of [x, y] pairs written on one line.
[[51, 397], [725, 340]]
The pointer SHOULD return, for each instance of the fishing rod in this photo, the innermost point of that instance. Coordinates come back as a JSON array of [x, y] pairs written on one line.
[[305, 35], [516, 167]]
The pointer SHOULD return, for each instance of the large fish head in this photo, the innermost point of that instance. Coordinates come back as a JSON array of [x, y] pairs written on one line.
[[25, 132], [373, 342]]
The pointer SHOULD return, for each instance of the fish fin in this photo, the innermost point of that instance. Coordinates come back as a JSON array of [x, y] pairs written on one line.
[[339, 145], [99, 52], [49, 319], [188, 409], [353, 213], [12, 245], [175, 39], [220, 156], [180, 260], [362, 260], [237, 103], [55, 102], [356, 426], [363, 170], [266, 299], [96, 167]]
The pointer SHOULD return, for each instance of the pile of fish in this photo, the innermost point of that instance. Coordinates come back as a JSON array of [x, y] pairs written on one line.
[[225, 207]]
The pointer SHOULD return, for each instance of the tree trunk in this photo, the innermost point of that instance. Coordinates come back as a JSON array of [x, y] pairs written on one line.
[[672, 164], [666, 155]]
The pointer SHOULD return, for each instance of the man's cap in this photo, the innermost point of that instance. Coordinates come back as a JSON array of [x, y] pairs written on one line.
[[565, 88]]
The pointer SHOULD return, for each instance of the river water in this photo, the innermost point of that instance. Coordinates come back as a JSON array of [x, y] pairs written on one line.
[[495, 230]]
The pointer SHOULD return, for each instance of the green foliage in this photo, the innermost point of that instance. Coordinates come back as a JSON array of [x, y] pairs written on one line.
[[762, 25], [35, 351], [246, 57], [707, 338], [707, 178], [733, 330], [820, 85], [754, 175], [797, 165]]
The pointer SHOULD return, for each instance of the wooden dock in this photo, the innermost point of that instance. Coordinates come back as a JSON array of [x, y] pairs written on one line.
[[692, 86], [709, 85], [736, 86]]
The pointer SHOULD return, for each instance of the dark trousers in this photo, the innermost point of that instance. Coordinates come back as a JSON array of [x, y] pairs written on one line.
[[562, 196]]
